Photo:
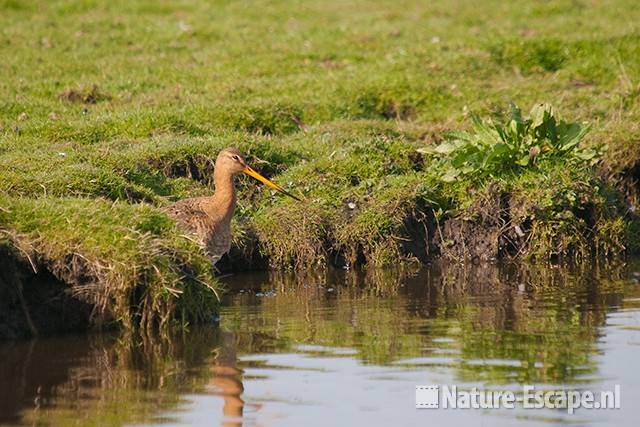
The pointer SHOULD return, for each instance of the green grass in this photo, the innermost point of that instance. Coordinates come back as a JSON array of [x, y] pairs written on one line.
[[130, 102], [127, 260]]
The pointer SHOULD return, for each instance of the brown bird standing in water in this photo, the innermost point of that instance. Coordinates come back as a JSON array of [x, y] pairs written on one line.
[[210, 217]]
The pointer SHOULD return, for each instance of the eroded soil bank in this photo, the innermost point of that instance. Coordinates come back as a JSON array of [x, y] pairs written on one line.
[[37, 304]]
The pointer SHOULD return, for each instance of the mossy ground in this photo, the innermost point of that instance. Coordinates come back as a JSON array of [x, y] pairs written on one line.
[[109, 111]]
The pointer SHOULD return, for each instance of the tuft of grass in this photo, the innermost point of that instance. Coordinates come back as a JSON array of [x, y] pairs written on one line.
[[275, 119], [293, 235], [394, 214], [530, 56], [130, 262]]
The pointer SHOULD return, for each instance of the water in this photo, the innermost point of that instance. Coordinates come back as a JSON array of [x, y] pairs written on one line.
[[348, 349]]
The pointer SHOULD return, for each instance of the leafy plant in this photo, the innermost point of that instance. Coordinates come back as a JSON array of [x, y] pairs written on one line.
[[494, 148]]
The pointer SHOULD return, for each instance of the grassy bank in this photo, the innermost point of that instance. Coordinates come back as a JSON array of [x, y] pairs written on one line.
[[110, 111]]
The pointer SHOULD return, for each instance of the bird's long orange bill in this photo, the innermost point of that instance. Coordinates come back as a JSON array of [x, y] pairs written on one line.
[[267, 182]]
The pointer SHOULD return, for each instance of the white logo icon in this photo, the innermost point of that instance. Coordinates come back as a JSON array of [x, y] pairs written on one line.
[[427, 396]]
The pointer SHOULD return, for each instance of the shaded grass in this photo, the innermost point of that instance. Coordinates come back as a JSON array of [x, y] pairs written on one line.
[[530, 55]]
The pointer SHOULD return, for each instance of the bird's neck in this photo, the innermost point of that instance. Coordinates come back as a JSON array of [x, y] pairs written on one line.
[[224, 198]]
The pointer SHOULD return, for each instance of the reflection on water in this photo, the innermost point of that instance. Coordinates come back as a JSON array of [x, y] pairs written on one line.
[[227, 379], [347, 347]]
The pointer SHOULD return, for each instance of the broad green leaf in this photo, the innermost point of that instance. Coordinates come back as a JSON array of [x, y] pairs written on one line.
[[446, 147], [585, 154], [540, 113], [426, 150], [467, 169], [450, 175]]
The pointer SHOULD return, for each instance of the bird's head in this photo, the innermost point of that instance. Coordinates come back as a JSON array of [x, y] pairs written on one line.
[[231, 160]]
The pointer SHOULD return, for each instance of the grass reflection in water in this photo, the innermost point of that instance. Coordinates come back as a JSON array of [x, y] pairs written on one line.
[[490, 325]]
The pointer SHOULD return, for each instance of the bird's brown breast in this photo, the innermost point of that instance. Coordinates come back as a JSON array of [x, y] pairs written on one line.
[[212, 229]]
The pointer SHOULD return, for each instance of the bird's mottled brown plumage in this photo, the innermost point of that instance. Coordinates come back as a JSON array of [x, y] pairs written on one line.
[[213, 230], [209, 218]]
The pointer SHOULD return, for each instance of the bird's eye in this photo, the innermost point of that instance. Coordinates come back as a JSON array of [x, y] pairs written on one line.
[[236, 158]]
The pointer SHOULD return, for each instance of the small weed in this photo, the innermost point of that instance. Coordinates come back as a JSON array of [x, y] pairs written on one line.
[[495, 148]]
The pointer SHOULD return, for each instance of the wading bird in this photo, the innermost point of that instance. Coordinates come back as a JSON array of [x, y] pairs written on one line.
[[210, 217]]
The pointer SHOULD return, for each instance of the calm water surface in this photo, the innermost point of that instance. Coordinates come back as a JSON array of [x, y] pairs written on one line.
[[342, 348]]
